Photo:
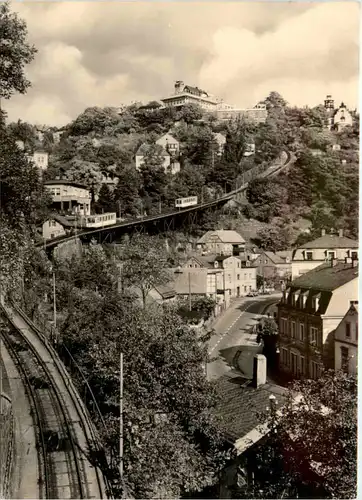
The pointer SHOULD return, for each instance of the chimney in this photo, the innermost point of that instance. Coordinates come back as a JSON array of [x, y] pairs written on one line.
[[340, 233], [259, 371], [323, 232]]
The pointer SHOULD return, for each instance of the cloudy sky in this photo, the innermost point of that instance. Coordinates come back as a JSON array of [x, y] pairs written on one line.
[[108, 53]]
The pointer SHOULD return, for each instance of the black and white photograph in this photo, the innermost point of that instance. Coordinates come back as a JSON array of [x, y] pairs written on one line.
[[179, 249]]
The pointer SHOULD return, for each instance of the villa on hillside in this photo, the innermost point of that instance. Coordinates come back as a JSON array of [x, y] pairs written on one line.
[[170, 148], [187, 94], [337, 118]]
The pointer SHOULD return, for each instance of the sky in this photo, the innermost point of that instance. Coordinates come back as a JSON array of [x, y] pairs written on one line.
[[112, 53]]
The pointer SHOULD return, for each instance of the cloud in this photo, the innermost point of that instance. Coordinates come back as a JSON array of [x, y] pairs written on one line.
[[108, 53]]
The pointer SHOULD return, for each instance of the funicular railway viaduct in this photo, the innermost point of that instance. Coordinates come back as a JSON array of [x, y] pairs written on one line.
[[170, 220]]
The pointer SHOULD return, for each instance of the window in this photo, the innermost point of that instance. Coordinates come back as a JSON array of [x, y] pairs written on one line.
[[315, 303], [284, 325], [348, 330], [294, 362], [302, 365], [238, 276], [249, 288], [344, 359], [354, 255], [309, 255], [301, 332], [285, 356], [353, 302], [331, 255], [245, 288], [313, 335], [315, 369], [293, 330]]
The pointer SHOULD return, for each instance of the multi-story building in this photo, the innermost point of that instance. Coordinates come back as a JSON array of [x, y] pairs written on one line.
[[337, 118], [186, 94], [237, 277], [56, 226], [69, 196], [223, 242], [170, 144], [327, 247], [309, 312], [346, 341]]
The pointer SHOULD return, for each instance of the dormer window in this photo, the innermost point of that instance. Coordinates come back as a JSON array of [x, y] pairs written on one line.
[[216, 264], [315, 303], [309, 255]]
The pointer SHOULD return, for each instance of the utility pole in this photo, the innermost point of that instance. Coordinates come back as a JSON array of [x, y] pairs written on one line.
[[190, 305], [119, 209], [121, 419], [54, 308]]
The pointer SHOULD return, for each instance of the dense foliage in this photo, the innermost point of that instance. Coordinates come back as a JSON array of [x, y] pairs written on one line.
[[311, 451]]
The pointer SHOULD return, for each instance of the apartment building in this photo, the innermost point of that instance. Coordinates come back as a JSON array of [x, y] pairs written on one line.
[[308, 314], [322, 249]]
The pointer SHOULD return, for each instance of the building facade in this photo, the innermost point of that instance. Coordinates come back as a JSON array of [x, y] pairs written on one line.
[[69, 196], [40, 159], [234, 277], [186, 94], [272, 266], [309, 312], [327, 247], [169, 152], [223, 242], [346, 342]]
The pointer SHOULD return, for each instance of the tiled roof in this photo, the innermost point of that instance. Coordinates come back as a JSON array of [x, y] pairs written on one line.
[[325, 277], [145, 147], [331, 241], [226, 236], [276, 259], [165, 291], [241, 404], [62, 220]]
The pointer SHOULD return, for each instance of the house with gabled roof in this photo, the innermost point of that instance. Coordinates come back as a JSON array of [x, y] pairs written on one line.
[[224, 242], [271, 265], [169, 149], [309, 313], [326, 247]]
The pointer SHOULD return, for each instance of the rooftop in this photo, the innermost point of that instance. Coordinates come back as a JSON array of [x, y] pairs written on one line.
[[65, 182], [241, 404], [331, 241], [225, 236], [325, 277]]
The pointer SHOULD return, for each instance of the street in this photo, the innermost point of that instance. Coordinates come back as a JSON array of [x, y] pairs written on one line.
[[234, 343]]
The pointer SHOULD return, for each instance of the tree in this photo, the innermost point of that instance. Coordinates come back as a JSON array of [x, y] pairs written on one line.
[[85, 172], [237, 136], [105, 202], [190, 113], [312, 447], [22, 196], [126, 193], [94, 120], [274, 238], [275, 101], [144, 265], [15, 52]]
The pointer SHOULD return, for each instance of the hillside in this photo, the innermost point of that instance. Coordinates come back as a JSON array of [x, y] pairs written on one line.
[[99, 147]]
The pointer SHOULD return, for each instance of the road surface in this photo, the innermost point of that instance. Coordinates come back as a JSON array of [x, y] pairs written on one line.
[[234, 344]]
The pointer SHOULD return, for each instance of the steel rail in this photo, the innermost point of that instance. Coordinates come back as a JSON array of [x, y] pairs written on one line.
[[60, 403]]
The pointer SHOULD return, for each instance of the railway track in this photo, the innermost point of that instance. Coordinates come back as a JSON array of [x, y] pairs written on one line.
[[63, 433]]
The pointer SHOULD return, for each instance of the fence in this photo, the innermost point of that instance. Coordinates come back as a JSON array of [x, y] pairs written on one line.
[[7, 442]]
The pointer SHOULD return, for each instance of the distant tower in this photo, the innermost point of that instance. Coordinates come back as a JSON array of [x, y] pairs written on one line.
[[329, 103], [179, 86]]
